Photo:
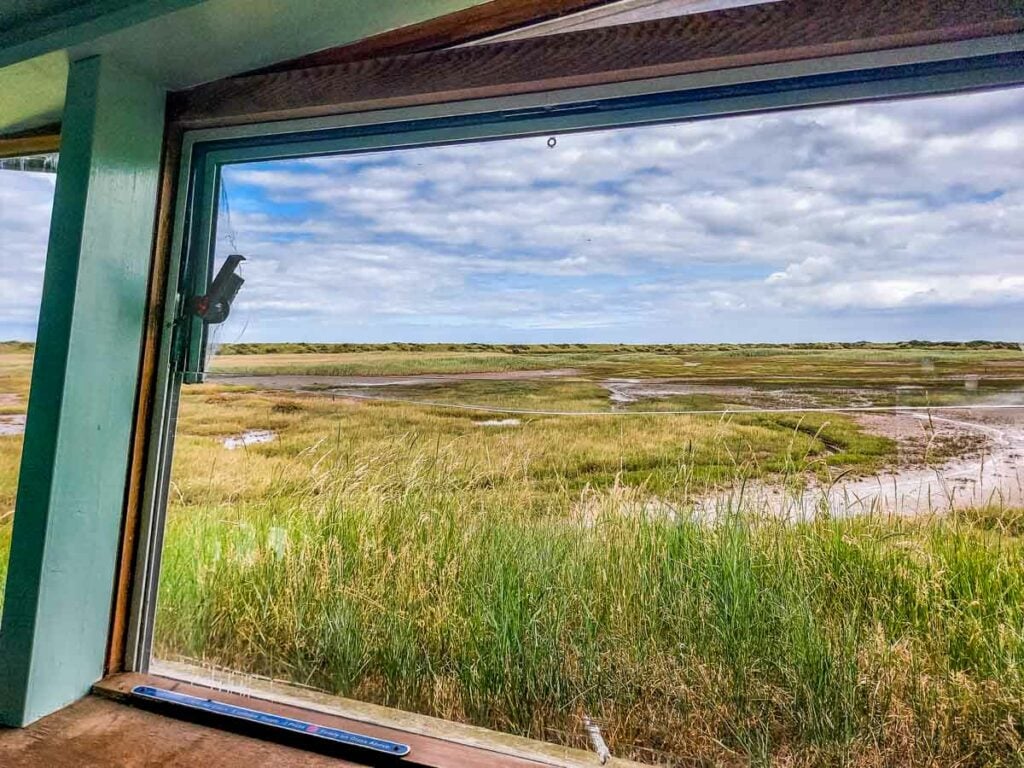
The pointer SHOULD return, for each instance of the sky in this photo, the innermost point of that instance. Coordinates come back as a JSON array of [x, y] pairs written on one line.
[[25, 202], [880, 222]]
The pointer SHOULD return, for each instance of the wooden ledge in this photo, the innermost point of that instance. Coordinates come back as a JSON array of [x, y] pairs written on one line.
[[772, 33], [435, 743], [41, 141], [456, 28]]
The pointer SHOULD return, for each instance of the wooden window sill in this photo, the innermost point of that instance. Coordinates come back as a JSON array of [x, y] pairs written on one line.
[[434, 742]]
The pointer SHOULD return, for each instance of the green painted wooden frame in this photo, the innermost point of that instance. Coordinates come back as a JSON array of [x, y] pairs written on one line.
[[81, 411], [904, 73]]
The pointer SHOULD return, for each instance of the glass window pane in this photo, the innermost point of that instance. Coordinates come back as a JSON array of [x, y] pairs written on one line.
[[26, 198], [709, 433]]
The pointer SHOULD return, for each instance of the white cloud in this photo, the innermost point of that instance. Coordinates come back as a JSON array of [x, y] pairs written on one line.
[[795, 224], [898, 207], [25, 202], [811, 270], [985, 290]]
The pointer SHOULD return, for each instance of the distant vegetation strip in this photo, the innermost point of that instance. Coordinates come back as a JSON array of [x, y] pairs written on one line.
[[17, 346], [292, 348], [302, 347]]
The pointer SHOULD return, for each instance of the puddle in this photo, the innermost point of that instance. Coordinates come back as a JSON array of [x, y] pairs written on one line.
[[252, 437], [12, 425], [498, 423]]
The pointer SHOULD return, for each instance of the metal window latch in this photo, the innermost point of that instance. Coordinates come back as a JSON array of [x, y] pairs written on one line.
[[215, 306], [596, 740]]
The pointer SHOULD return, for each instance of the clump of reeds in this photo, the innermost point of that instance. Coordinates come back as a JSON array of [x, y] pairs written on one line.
[[691, 641]]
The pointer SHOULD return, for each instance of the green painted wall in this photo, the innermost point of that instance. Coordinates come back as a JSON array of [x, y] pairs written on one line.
[[33, 92], [30, 28], [219, 38], [81, 406], [176, 43]]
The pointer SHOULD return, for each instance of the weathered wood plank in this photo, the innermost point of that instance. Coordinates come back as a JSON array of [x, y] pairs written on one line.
[[148, 374], [427, 751], [40, 141], [794, 30], [98, 733], [618, 12], [444, 31]]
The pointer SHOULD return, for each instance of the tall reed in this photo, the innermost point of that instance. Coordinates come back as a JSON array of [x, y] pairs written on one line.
[[395, 580]]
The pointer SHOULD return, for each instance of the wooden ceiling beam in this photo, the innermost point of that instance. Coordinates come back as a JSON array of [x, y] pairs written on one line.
[[473, 23], [790, 31], [38, 141]]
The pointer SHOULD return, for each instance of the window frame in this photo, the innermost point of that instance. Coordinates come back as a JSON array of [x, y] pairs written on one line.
[[932, 70]]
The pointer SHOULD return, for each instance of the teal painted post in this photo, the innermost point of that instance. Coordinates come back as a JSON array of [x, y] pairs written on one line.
[[81, 405]]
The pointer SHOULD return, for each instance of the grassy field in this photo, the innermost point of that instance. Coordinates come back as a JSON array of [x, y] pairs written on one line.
[[520, 577], [856, 365], [15, 370]]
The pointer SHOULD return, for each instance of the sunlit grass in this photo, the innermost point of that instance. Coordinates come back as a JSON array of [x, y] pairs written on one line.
[[853, 366], [676, 456], [394, 579], [517, 577], [15, 373], [389, 363]]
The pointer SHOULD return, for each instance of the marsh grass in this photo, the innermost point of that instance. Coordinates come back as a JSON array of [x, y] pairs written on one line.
[[518, 578], [850, 365], [674, 456], [866, 640], [10, 462], [15, 372]]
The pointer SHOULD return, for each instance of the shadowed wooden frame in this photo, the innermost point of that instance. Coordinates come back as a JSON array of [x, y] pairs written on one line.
[[473, 23], [39, 141], [765, 34]]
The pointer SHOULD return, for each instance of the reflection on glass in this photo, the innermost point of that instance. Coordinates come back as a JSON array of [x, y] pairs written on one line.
[[26, 198], [709, 433]]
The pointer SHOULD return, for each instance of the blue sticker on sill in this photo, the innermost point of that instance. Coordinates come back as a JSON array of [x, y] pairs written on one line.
[[287, 724]]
